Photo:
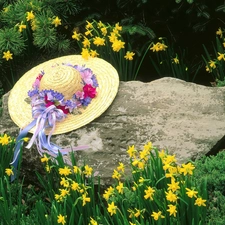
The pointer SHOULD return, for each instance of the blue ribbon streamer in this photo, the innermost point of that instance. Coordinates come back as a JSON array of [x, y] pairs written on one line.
[[18, 145]]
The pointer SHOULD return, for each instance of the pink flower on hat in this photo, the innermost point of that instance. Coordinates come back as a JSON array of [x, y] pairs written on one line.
[[89, 91]]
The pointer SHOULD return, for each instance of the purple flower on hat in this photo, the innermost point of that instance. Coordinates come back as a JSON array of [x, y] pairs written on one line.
[[86, 101], [86, 76]]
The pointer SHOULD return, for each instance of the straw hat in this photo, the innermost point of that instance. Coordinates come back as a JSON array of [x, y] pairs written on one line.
[[66, 80]]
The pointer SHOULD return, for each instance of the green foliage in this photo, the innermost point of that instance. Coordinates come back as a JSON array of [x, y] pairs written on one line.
[[215, 59], [169, 63], [212, 168]]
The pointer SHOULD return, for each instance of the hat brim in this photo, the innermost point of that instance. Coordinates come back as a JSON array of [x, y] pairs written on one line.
[[21, 113]]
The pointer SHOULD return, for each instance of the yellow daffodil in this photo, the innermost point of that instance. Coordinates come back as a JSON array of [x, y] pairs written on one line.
[[88, 170], [64, 192], [108, 193], [221, 56], [173, 186], [149, 193], [21, 27], [99, 41], [9, 172], [65, 171], [117, 45], [48, 168], [88, 32], [85, 199], [172, 210], [112, 37], [5, 140], [116, 175], [76, 169], [219, 32], [93, 53], [212, 64], [170, 196], [120, 167], [30, 16], [86, 43], [89, 25], [131, 151], [56, 21], [64, 182], [76, 36], [85, 53], [104, 31], [157, 215], [33, 25], [187, 169], [61, 219], [74, 186], [112, 208], [44, 159], [191, 193], [176, 60], [129, 55], [200, 202], [7, 55], [158, 47], [93, 222], [119, 187], [100, 24]]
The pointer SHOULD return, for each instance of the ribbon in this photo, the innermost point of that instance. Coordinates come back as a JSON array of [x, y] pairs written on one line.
[[44, 118]]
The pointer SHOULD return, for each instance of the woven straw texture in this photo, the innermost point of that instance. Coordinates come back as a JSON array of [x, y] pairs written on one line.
[[108, 80]]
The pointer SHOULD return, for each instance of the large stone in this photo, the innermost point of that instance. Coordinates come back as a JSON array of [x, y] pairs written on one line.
[[185, 118]]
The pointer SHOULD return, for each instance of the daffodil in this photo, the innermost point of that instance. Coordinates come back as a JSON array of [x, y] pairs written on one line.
[[108, 193], [131, 151], [200, 202], [187, 169], [99, 41], [173, 186], [212, 64], [129, 55], [85, 199], [112, 208], [30, 16], [219, 32], [117, 45], [93, 53], [9, 171], [93, 222], [85, 53], [76, 36], [65, 171], [149, 193], [7, 55], [56, 21], [170, 196], [157, 215], [61, 219], [89, 25], [221, 56], [44, 159], [172, 210], [88, 170], [191, 193], [22, 26], [74, 186], [119, 187], [116, 175], [5, 140]]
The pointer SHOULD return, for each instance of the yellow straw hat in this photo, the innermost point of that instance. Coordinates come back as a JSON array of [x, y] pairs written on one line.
[[62, 78]]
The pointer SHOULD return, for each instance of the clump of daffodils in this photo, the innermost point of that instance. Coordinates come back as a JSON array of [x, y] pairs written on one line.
[[152, 189], [106, 41], [215, 62], [162, 191]]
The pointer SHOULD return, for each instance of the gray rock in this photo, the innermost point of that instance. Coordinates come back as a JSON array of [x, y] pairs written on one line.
[[185, 118]]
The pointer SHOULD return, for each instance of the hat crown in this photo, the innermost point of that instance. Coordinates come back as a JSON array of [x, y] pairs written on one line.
[[62, 78]]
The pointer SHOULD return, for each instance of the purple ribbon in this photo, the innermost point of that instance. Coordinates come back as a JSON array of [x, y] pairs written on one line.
[[44, 117]]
